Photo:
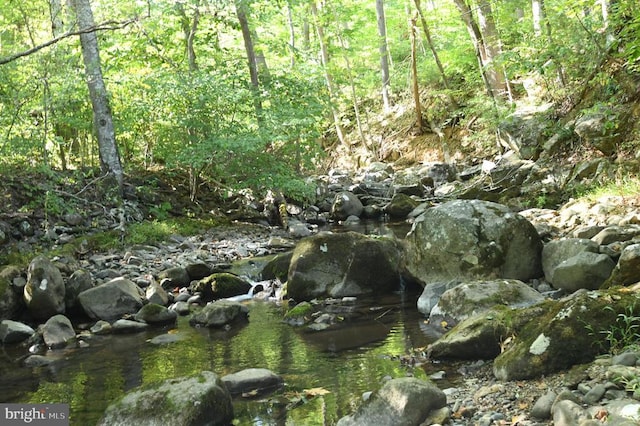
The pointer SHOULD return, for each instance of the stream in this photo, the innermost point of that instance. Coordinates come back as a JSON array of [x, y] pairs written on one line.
[[338, 365]]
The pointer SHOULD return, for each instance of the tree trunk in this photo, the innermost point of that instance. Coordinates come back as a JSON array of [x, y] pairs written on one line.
[[491, 41], [476, 39], [102, 119], [432, 47], [189, 27], [537, 11], [384, 54], [324, 54], [241, 13], [292, 34], [414, 73]]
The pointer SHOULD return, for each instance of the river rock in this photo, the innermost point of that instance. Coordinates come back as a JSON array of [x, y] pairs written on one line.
[[400, 206], [198, 271], [174, 277], [153, 313], [470, 298], [404, 401], [256, 381], [197, 400], [345, 204], [627, 270], [220, 285], [343, 264], [219, 314], [125, 326], [566, 332], [58, 331], [44, 293], [112, 299], [557, 251], [10, 302], [472, 239], [600, 129], [432, 293], [584, 270], [14, 331], [156, 294], [79, 281]]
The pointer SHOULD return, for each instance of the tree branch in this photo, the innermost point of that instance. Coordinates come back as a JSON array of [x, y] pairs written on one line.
[[108, 25]]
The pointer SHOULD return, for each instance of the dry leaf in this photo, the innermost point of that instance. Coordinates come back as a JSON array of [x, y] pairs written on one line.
[[315, 392]]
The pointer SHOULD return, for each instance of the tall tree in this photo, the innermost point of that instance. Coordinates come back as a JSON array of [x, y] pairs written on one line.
[[384, 54], [189, 28], [415, 89], [432, 47], [492, 48], [241, 13], [102, 118]]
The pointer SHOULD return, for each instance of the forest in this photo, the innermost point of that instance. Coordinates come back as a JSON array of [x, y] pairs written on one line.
[[254, 95]]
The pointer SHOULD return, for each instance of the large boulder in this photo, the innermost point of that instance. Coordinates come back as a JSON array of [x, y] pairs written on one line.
[[14, 331], [220, 313], [45, 289], [78, 282], [112, 300], [566, 332], [152, 313], [187, 401], [10, 303], [472, 239], [627, 270], [405, 401], [600, 128], [220, 285], [343, 264], [557, 251]]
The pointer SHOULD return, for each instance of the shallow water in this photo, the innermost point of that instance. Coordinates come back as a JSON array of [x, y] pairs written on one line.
[[345, 362]]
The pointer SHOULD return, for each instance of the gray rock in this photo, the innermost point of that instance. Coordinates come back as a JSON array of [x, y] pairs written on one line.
[[44, 293], [615, 233], [220, 313], [566, 412], [595, 394], [345, 204], [625, 358], [472, 239], [257, 381], [14, 331], [181, 308], [600, 129], [37, 361], [220, 285], [343, 264], [627, 270], [197, 400], [101, 327], [176, 277], [156, 294], [404, 401], [471, 298], [78, 282], [10, 303], [557, 251], [542, 407], [431, 295], [164, 339], [112, 299], [58, 331], [197, 271], [124, 326], [400, 206], [584, 270], [152, 313]]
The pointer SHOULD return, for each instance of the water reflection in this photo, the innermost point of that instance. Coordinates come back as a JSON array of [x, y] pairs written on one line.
[[346, 362]]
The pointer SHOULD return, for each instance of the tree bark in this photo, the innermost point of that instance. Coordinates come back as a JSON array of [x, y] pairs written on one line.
[[432, 47], [384, 54], [491, 41], [251, 56], [102, 118], [324, 55], [414, 74], [292, 34], [189, 27]]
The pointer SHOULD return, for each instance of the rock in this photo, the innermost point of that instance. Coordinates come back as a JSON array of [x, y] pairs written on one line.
[[197, 400], [470, 298], [277, 267], [73, 219], [584, 270], [45, 290], [615, 233], [404, 401], [565, 333], [124, 326], [220, 313], [432, 293], [220, 285], [197, 271], [152, 313], [10, 303], [557, 251], [627, 270], [400, 206], [101, 327], [112, 299], [542, 408], [601, 128], [14, 331], [155, 294], [566, 412], [176, 277], [472, 239], [181, 308], [525, 132], [343, 264], [78, 282], [58, 331], [255, 381], [345, 204]]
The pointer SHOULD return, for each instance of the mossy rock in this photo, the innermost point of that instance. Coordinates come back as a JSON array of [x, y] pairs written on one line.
[[566, 332], [221, 285], [300, 314], [277, 267]]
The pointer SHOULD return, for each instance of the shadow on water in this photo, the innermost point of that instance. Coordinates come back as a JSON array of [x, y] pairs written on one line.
[[346, 362]]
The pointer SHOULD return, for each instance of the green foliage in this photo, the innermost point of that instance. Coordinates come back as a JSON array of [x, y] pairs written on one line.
[[624, 334]]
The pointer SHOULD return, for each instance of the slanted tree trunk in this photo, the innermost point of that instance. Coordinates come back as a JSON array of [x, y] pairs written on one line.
[[241, 13], [415, 89], [496, 73], [384, 54], [102, 118], [189, 28], [324, 55], [432, 47]]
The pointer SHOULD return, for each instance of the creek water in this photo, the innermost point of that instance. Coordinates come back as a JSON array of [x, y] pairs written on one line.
[[337, 365]]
